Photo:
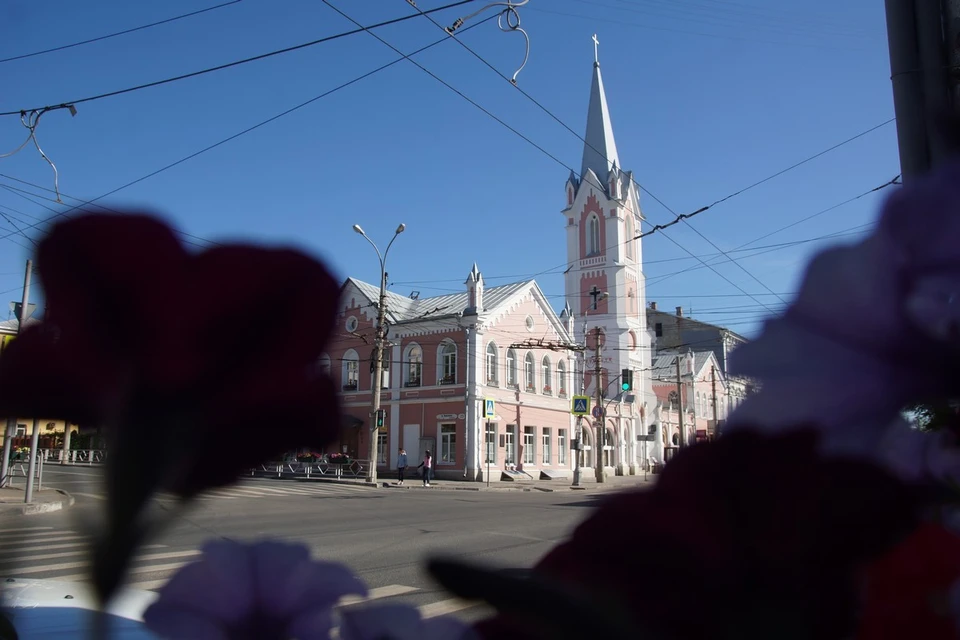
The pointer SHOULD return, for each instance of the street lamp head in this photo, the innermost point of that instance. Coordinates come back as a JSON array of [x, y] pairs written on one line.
[[358, 229], [401, 228]]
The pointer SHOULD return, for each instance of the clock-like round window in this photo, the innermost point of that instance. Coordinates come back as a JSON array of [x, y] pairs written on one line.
[[530, 323], [352, 323]]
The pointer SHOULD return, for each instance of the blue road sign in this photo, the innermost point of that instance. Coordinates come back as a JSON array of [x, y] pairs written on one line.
[[581, 405], [489, 408]]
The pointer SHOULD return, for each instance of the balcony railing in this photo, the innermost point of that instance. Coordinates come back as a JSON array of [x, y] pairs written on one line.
[[350, 386]]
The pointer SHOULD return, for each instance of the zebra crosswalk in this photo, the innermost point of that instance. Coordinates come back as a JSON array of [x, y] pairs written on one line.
[[270, 489], [46, 553]]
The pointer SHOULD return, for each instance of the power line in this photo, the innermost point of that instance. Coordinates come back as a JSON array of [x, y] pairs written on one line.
[[677, 217], [118, 33], [262, 56], [723, 277], [344, 85]]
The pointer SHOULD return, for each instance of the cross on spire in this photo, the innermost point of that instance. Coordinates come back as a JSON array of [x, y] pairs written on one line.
[[596, 50], [595, 294]]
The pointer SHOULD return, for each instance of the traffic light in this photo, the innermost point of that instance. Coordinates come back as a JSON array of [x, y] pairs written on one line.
[[626, 380], [381, 416]]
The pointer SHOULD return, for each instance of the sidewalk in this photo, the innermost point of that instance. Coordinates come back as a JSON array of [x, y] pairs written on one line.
[[586, 484], [44, 501]]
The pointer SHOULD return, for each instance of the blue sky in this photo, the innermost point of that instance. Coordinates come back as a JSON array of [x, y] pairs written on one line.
[[707, 97]]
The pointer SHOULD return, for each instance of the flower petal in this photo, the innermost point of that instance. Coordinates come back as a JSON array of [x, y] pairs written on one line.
[[394, 621], [290, 584], [219, 586]]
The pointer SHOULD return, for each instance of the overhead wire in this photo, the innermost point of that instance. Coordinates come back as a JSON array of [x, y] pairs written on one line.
[[68, 103], [677, 217], [117, 33], [254, 127]]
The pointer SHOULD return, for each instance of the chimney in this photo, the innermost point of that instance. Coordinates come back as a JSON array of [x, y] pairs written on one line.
[[679, 312], [653, 306]]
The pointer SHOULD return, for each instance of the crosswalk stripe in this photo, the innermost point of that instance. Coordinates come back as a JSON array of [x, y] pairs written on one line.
[[95, 496], [11, 543], [63, 554], [82, 565], [19, 529], [44, 547], [445, 607], [157, 568], [380, 592], [36, 535]]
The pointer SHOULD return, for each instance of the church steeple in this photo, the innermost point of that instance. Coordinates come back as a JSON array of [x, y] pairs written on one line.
[[600, 148]]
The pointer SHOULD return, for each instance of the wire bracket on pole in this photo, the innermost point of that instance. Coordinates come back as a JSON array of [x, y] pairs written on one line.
[[31, 120], [508, 21]]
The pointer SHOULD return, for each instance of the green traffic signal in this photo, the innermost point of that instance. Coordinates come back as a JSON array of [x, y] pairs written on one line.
[[625, 386], [626, 377]]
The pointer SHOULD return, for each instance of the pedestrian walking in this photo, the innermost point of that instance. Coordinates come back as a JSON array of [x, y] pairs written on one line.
[[401, 464], [427, 465]]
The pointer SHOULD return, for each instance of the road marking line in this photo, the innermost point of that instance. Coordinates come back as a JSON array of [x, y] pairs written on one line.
[[12, 543], [62, 554], [445, 607], [375, 594], [24, 529]]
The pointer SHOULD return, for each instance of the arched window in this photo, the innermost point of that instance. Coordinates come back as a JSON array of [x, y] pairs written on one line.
[[413, 366], [511, 368], [698, 405], [492, 363], [530, 372], [351, 370], [593, 235], [546, 374], [561, 378], [447, 363], [628, 226]]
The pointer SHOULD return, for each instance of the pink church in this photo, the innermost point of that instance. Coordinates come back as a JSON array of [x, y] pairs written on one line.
[[450, 356]]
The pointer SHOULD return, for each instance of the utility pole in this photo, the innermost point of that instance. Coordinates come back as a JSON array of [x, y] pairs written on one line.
[[379, 340], [598, 382], [922, 37], [12, 420], [680, 409], [713, 389]]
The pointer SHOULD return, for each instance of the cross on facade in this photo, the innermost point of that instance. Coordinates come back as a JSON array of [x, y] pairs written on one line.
[[595, 294], [596, 49]]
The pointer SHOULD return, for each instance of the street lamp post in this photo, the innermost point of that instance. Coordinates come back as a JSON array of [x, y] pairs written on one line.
[[378, 343]]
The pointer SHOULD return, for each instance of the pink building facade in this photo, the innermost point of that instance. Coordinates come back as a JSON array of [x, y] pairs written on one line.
[[702, 387]]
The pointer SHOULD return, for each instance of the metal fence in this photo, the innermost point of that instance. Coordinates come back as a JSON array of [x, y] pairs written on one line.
[[74, 456], [20, 469], [296, 469]]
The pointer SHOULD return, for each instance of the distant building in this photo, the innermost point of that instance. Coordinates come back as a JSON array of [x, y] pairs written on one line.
[[449, 353], [703, 395], [673, 332]]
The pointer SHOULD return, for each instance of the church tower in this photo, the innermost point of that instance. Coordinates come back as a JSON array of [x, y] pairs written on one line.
[[604, 256]]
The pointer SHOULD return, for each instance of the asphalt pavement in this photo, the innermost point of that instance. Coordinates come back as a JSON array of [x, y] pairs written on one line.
[[384, 535]]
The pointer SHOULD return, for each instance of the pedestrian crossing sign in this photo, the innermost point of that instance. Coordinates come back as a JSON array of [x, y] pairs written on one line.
[[581, 405], [489, 408]]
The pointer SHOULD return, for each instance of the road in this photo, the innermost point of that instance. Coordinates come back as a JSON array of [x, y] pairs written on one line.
[[384, 535]]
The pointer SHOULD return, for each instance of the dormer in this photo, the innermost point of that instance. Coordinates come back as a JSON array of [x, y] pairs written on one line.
[[474, 285]]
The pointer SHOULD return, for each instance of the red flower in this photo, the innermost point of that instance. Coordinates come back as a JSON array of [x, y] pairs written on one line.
[[905, 591], [748, 537], [178, 354]]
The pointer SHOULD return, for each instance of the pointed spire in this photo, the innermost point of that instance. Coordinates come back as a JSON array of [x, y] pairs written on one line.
[[600, 149]]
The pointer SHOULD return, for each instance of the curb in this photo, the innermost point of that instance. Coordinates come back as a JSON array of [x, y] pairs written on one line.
[[35, 508]]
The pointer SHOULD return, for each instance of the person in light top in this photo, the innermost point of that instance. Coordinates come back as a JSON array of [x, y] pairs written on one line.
[[427, 465], [401, 464]]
